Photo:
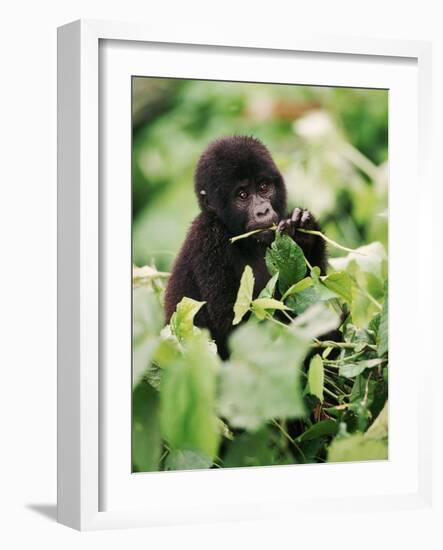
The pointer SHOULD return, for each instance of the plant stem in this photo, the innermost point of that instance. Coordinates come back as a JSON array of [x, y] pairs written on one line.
[[288, 437], [369, 297], [245, 235], [283, 431], [329, 380], [328, 240], [307, 231], [365, 398], [250, 233], [337, 362], [340, 345], [307, 263], [287, 315], [276, 321], [331, 394]]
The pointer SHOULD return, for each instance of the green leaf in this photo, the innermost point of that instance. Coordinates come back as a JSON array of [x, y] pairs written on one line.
[[287, 258], [312, 449], [182, 321], [260, 305], [314, 291], [268, 303], [187, 399], [269, 290], [357, 448], [316, 377], [362, 399], [147, 312], [358, 335], [146, 440], [187, 460], [167, 351], [319, 429], [315, 321], [374, 325], [224, 430], [339, 282], [244, 295], [368, 273], [251, 449], [303, 300], [383, 332], [153, 376], [142, 352], [262, 379], [379, 428], [349, 370], [298, 287], [324, 293], [371, 258], [148, 320]]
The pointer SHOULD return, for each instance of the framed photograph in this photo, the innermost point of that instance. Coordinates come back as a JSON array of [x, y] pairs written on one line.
[[232, 220]]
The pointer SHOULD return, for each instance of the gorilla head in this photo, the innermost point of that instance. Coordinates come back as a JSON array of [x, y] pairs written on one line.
[[238, 181]]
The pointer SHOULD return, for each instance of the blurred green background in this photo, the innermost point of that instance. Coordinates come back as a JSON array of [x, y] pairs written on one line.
[[331, 144]]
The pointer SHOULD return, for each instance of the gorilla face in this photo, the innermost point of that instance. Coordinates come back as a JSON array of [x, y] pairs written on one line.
[[237, 179], [251, 204]]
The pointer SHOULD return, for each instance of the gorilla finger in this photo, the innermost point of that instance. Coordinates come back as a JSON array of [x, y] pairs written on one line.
[[306, 218], [296, 216], [284, 225]]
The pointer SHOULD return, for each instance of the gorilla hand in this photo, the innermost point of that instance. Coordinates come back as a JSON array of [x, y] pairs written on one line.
[[300, 219], [312, 245]]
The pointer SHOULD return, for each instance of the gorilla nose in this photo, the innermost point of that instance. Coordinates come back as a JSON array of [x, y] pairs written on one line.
[[262, 212]]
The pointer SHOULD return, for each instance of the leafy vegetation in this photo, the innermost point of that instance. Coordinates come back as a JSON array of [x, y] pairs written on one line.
[[284, 396]]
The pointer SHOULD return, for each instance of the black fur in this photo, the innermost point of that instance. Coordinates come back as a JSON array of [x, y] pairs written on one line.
[[208, 267]]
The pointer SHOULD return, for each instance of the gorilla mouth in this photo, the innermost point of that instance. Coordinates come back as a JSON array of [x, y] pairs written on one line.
[[265, 237], [263, 224], [266, 234], [258, 226]]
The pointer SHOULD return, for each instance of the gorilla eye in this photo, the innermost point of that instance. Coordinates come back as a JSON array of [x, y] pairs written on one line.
[[242, 194], [263, 187]]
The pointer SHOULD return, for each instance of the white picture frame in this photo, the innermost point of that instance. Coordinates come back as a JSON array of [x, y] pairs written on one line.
[[96, 488]]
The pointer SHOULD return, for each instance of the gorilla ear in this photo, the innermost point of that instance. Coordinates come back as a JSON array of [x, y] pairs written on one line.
[[204, 199]]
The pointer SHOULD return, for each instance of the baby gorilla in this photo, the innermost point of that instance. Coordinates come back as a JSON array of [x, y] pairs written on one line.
[[239, 189]]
